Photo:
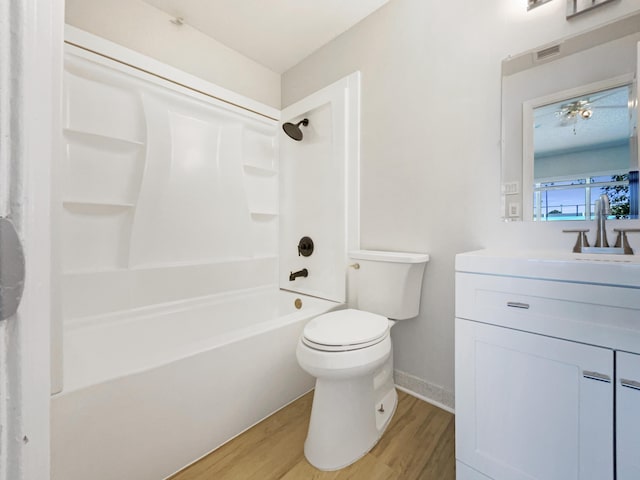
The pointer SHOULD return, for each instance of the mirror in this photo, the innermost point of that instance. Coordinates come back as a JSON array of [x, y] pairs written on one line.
[[569, 126], [577, 145]]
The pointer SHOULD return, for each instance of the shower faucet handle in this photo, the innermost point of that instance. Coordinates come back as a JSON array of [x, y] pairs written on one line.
[[305, 246]]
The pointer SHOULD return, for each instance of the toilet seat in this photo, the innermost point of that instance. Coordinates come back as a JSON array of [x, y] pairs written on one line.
[[345, 330]]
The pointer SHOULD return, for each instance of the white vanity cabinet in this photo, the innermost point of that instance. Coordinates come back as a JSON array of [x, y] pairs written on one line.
[[628, 416], [526, 409], [540, 368]]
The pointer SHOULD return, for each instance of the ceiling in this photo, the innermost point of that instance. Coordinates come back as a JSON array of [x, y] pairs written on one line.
[[276, 33]]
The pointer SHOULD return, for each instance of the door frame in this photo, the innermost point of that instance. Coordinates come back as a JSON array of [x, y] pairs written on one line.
[[30, 79]]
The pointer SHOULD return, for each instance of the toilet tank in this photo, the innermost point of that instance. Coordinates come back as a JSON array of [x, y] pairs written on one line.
[[388, 283]]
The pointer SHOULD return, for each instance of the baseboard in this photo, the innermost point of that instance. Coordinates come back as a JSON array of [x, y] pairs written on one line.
[[428, 392]]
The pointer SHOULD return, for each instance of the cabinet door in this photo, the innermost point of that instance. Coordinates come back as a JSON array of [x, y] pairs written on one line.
[[628, 416], [532, 407]]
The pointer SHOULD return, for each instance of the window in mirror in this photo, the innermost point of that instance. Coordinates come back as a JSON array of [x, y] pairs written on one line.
[[582, 148], [575, 199]]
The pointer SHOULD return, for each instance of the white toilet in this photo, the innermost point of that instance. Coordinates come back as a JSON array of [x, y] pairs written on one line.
[[350, 354]]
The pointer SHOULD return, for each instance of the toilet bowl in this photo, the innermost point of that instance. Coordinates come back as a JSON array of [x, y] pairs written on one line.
[[351, 408], [350, 354]]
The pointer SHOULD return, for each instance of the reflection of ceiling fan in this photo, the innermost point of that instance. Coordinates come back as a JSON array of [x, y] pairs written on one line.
[[569, 113], [591, 118]]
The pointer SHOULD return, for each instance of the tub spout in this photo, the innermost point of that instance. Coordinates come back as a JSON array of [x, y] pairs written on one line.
[[300, 273]]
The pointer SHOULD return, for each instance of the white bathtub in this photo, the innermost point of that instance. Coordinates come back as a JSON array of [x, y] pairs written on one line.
[[148, 392]]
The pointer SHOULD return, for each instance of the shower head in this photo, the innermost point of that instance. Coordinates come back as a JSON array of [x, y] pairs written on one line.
[[294, 130]]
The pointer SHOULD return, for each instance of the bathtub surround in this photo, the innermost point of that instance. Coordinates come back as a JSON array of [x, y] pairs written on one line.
[[319, 189], [141, 157]]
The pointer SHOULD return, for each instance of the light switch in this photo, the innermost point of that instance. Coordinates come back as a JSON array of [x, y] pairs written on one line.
[[511, 188]]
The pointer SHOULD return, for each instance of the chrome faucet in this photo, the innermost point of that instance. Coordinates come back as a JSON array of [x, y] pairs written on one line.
[[603, 209], [301, 273]]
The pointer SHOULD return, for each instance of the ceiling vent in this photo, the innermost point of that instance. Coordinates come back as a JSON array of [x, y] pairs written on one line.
[[547, 53]]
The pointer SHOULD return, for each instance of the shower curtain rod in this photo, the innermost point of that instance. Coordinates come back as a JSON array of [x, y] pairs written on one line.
[[169, 80]]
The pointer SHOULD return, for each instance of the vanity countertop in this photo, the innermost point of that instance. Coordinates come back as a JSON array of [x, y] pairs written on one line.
[[587, 298], [597, 269]]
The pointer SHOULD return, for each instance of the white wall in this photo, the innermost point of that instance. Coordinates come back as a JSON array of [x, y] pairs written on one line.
[[430, 159], [148, 30]]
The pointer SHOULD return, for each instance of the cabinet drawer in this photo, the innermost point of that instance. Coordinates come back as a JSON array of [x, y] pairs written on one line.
[[595, 314]]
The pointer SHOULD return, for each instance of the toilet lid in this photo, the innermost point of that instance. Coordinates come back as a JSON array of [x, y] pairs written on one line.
[[345, 330]]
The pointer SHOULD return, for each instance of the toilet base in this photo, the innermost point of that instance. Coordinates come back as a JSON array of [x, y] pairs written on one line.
[[348, 418]]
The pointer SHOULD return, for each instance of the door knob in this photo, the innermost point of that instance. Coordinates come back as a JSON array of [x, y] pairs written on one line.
[[11, 269]]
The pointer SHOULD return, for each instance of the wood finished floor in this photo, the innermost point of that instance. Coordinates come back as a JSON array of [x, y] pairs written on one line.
[[418, 445]]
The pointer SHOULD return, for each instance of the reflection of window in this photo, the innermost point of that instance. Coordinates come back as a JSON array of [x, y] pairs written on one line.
[[574, 199]]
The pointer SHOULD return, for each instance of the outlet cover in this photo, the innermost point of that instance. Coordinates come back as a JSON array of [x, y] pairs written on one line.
[[514, 209]]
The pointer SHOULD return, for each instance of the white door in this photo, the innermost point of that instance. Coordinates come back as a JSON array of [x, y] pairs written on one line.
[[628, 416], [532, 407], [30, 68]]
